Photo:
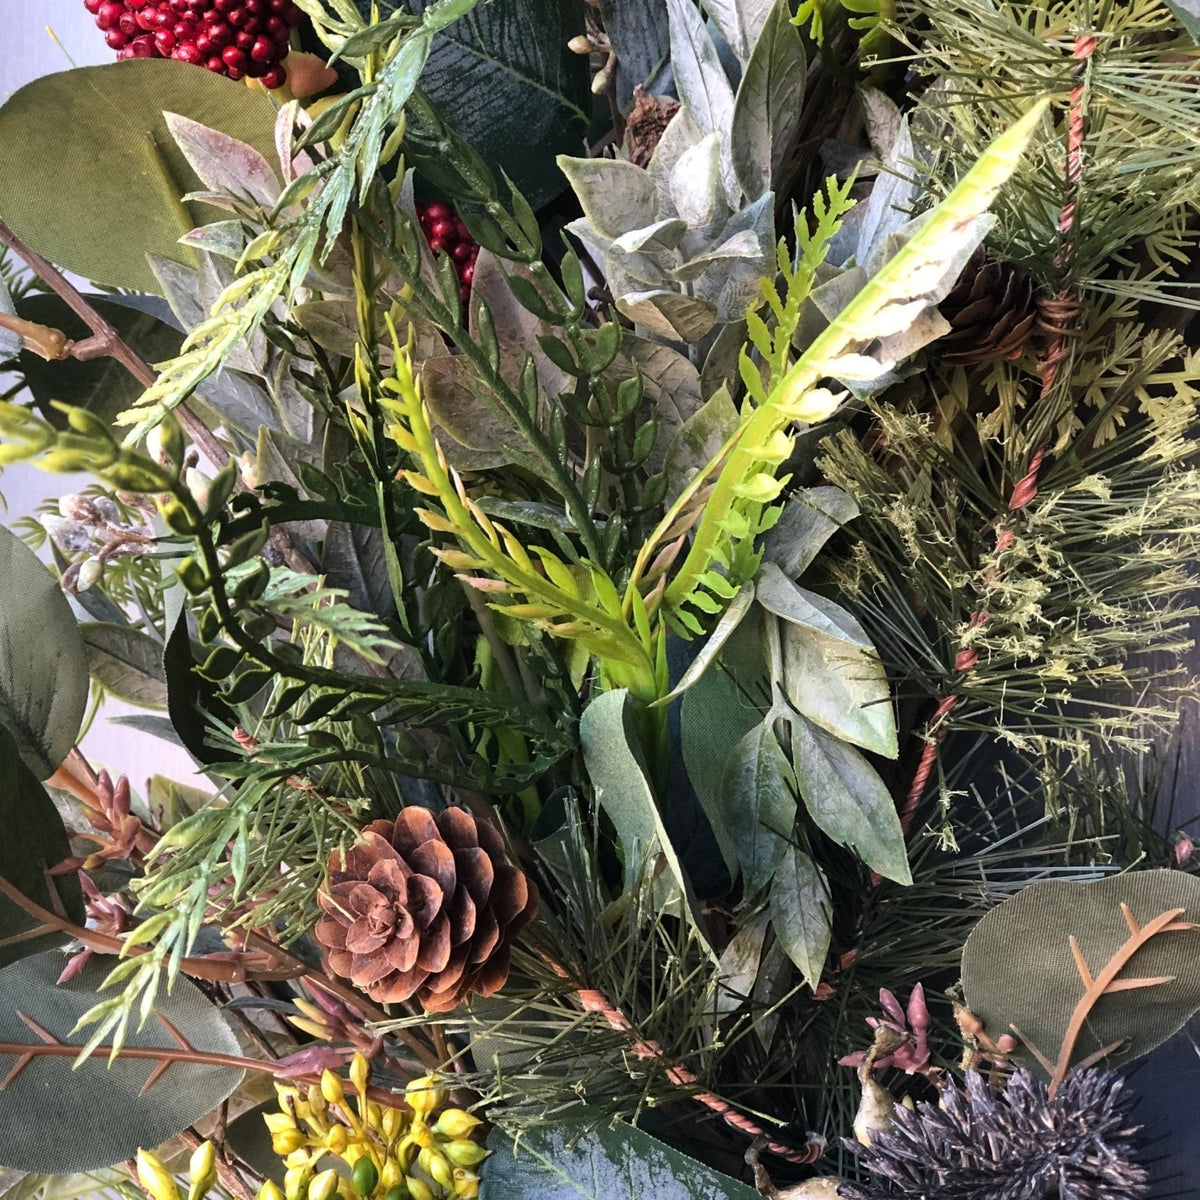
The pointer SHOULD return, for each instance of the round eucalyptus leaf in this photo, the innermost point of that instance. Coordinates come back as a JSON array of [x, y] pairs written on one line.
[[56, 1118], [43, 662], [93, 179]]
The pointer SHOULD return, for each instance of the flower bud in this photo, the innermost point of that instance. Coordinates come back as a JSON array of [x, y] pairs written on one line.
[[323, 1185], [155, 1178], [202, 1170], [295, 1182], [164, 443], [600, 82], [269, 1191], [89, 574], [466, 1184], [390, 1176], [331, 1087], [287, 1142], [455, 1123], [279, 1122], [464, 1153], [198, 484], [337, 1139], [434, 1164], [418, 1189], [360, 1072], [581, 44], [393, 1123], [68, 535], [424, 1096], [365, 1176]]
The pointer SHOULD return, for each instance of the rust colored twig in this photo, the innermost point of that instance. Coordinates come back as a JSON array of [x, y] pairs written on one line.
[[1057, 318], [591, 1000]]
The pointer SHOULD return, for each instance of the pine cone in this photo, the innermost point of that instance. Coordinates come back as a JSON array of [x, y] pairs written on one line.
[[646, 124], [991, 310], [425, 906]]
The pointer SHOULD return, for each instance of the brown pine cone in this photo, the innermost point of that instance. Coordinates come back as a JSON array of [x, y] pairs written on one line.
[[991, 310], [646, 124], [425, 906]]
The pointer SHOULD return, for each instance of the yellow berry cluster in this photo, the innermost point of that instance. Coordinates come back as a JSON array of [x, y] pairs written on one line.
[[419, 1152]]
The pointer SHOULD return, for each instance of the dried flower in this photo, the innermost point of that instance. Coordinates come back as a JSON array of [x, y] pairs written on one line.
[[424, 906], [1016, 1143], [913, 1022]]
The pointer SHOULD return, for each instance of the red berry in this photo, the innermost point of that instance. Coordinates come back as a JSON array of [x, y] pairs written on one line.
[[263, 50], [188, 52], [274, 78], [109, 13], [220, 35], [436, 245], [93, 6], [234, 73], [127, 24], [437, 212], [147, 18], [115, 39], [467, 274], [204, 44], [243, 40], [277, 28], [142, 47], [237, 17], [442, 229], [164, 42], [461, 231], [215, 64], [461, 252], [233, 57]]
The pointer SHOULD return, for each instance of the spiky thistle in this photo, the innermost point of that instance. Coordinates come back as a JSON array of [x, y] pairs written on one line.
[[1014, 1143]]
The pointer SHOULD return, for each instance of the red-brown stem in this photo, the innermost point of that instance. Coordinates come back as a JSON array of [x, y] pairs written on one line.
[[106, 342]]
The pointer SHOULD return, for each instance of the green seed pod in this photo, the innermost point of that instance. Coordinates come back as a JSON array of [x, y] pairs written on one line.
[[364, 1177]]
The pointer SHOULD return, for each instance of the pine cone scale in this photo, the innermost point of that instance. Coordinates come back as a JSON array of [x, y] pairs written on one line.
[[992, 311], [424, 906]]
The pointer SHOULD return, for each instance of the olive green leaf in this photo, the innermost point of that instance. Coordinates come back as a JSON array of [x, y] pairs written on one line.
[[43, 662], [759, 805], [801, 912], [126, 663], [1019, 968], [93, 178]]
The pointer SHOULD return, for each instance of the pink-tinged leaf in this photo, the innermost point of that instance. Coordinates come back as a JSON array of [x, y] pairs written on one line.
[[314, 1059], [222, 162]]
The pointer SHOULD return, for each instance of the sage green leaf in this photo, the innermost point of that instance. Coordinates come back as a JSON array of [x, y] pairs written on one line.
[[101, 385], [669, 314], [698, 440], [831, 672], [1188, 13], [126, 663], [700, 80], [572, 1160], [724, 629], [615, 195], [809, 519], [741, 961], [618, 775], [1018, 969], [742, 23], [846, 798], [801, 912], [43, 662], [759, 804], [768, 103], [719, 709], [102, 1107], [640, 34], [223, 163], [504, 79], [86, 144], [34, 840]]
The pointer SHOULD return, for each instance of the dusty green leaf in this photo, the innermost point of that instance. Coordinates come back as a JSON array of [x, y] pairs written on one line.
[[801, 912], [831, 672], [34, 840], [741, 961], [846, 798], [112, 153], [43, 663], [126, 663], [698, 440], [1188, 12], [102, 1106], [809, 519], [615, 195], [570, 1160], [724, 629], [618, 775], [1017, 966], [758, 804], [700, 80], [768, 102], [640, 34], [742, 23]]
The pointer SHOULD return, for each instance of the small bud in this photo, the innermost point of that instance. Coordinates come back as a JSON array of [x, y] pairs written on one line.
[[581, 44], [155, 1178], [464, 1153], [280, 1122], [600, 82], [337, 1139], [295, 1181], [455, 1123], [1006, 1043], [269, 1191], [418, 1189], [466, 1184], [165, 444], [1184, 849], [202, 1170], [360, 1072], [90, 571], [437, 1167], [394, 1120], [323, 1185], [287, 1142], [424, 1096], [198, 484], [875, 1111], [331, 1087]]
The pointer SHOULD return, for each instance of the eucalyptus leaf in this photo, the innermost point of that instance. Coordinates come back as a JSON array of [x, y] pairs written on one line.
[[34, 840], [759, 804], [669, 314], [126, 663], [698, 440], [831, 672], [810, 518], [113, 154], [573, 1160], [741, 23], [801, 912], [43, 663], [1018, 968], [847, 800], [102, 1106], [769, 98], [700, 80]]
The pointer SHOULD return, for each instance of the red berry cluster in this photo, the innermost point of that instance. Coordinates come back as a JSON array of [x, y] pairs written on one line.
[[447, 234], [232, 37]]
